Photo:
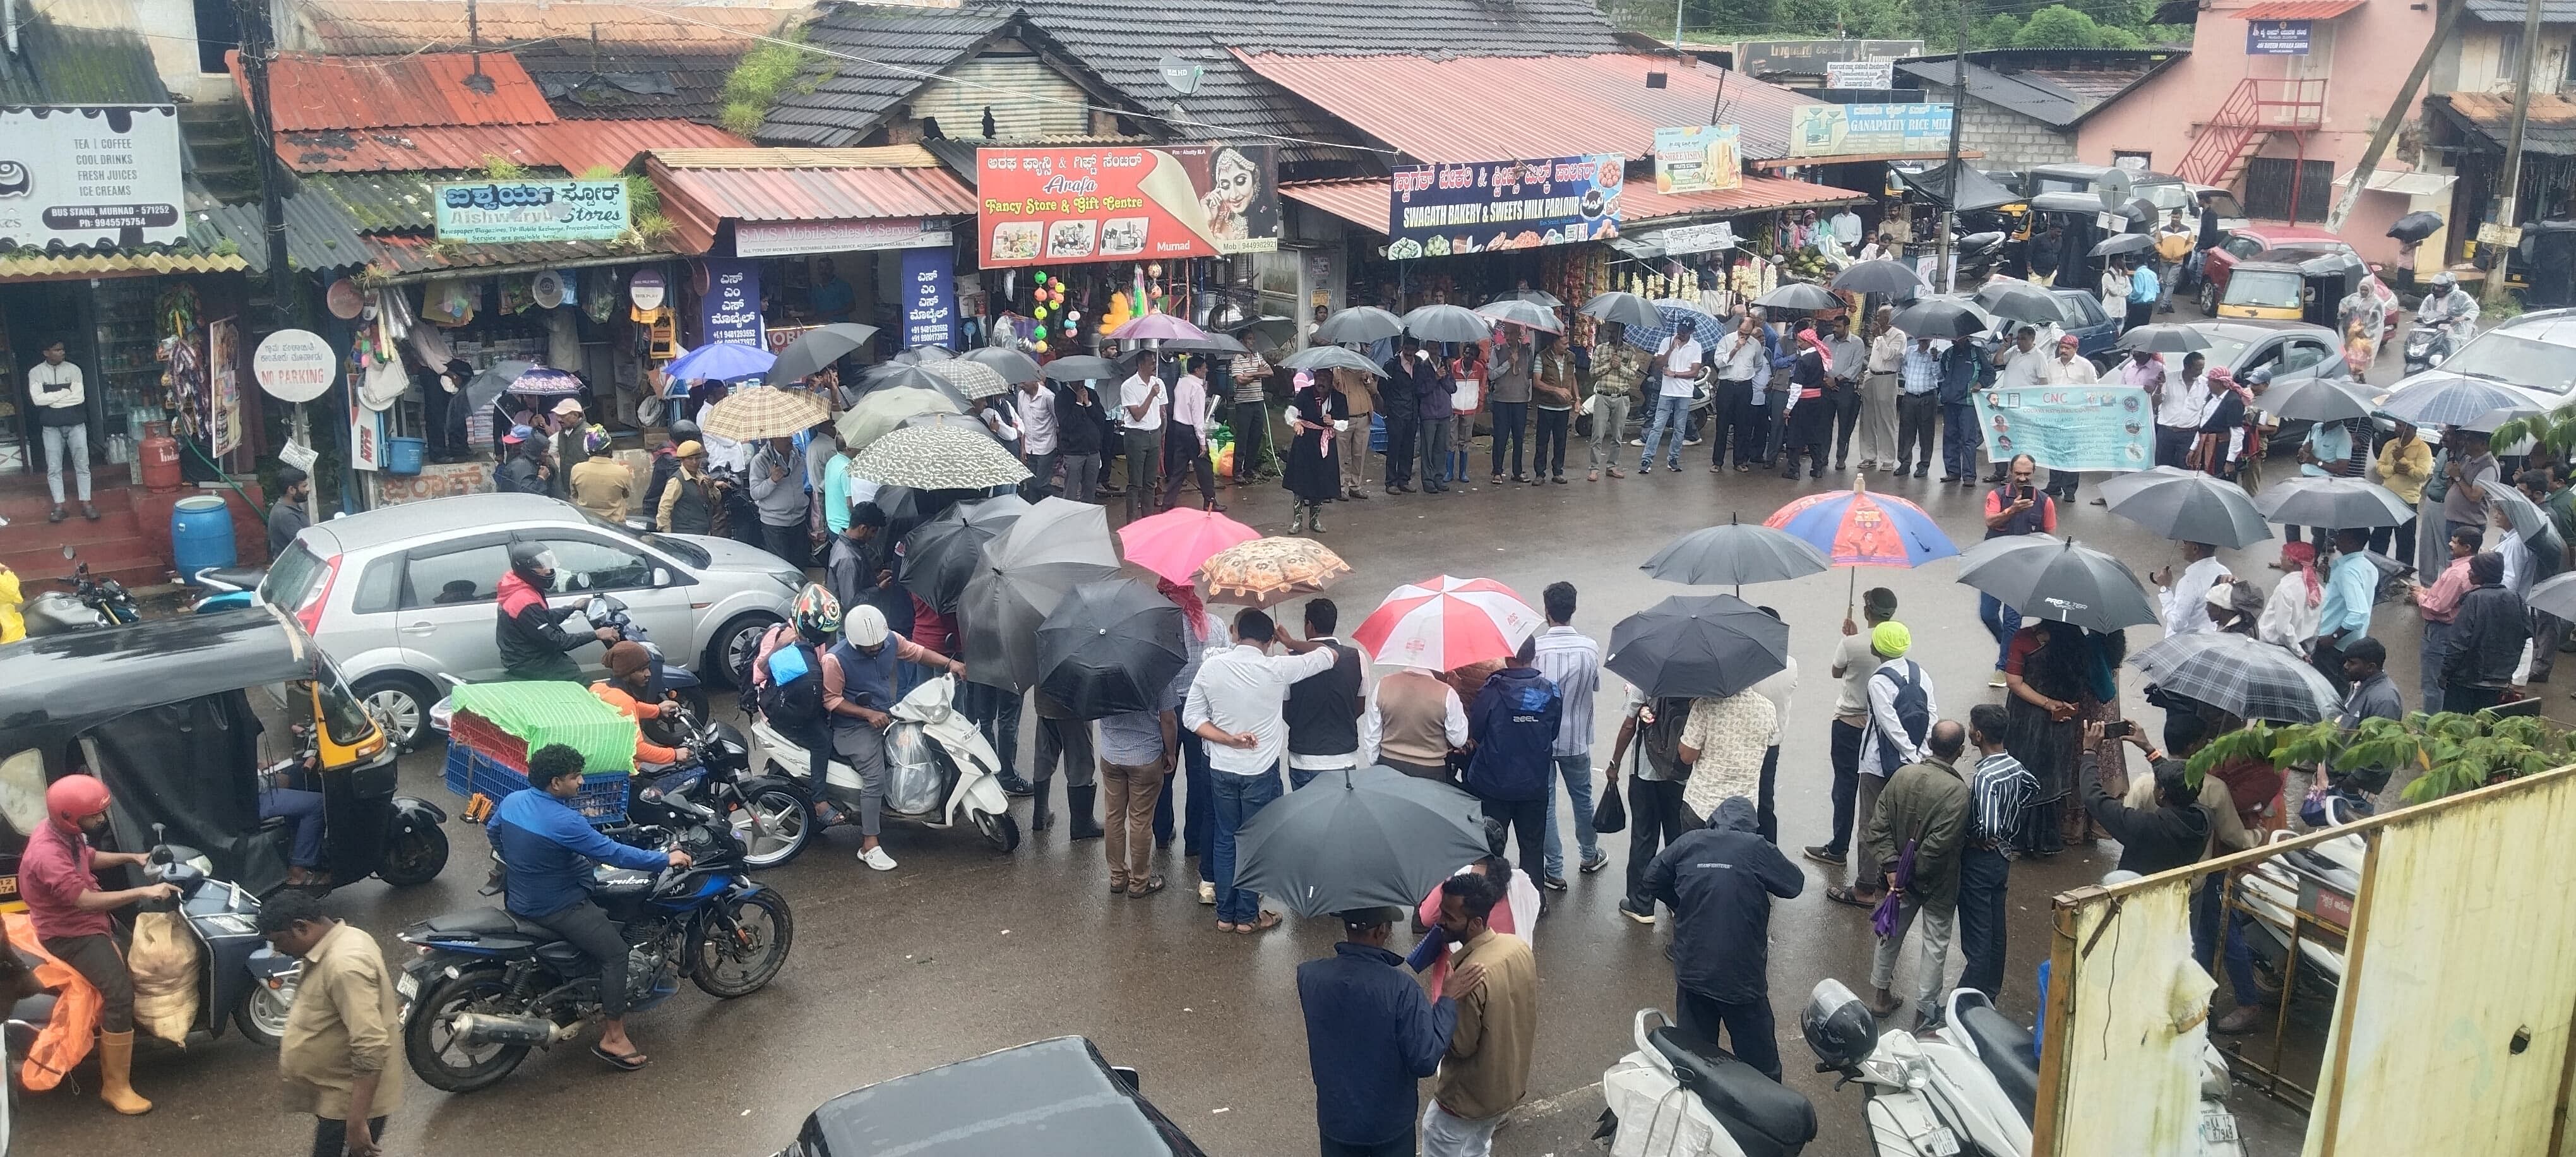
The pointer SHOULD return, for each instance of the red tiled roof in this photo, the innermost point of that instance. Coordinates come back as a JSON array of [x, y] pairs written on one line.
[[573, 146], [703, 188], [1480, 108], [1364, 202], [310, 92], [2296, 10]]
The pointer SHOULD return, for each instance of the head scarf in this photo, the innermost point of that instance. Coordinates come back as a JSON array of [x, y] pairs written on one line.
[[1808, 338], [2304, 557], [1193, 612]]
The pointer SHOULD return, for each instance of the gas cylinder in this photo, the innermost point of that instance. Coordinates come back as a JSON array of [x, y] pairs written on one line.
[[160, 458]]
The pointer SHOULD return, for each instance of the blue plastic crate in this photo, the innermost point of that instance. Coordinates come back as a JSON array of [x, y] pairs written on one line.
[[603, 793]]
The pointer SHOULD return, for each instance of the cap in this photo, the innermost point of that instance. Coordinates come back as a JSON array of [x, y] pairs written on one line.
[[518, 434], [567, 406], [627, 658], [865, 625], [1370, 917], [689, 449], [1891, 640]]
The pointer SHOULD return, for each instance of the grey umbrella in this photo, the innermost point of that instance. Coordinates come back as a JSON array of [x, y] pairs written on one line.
[[891, 375], [1514, 311], [1111, 647], [2318, 400], [924, 355], [1331, 357], [2122, 243], [2020, 301], [1624, 308], [2441, 398], [1942, 317], [2240, 675], [1026, 571], [1542, 297], [2521, 513], [1799, 297], [2340, 503], [1213, 343], [2187, 506], [1082, 368], [807, 355], [885, 408], [940, 555], [1735, 554], [1447, 323], [1371, 837], [1014, 366], [1894, 278], [1359, 323], [2489, 422], [487, 386], [1698, 646], [2165, 338], [2045, 577], [2554, 596]]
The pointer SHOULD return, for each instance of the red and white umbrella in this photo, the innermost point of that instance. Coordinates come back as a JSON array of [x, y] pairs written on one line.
[[1444, 623]]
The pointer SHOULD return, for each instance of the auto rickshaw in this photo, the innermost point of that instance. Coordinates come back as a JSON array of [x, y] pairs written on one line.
[[2291, 285], [2079, 216], [182, 717]]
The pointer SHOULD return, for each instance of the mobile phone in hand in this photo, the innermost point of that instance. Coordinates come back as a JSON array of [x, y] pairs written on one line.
[[2119, 729], [2030, 494]]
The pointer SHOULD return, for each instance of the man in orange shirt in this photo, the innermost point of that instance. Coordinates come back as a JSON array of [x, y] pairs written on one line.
[[628, 687]]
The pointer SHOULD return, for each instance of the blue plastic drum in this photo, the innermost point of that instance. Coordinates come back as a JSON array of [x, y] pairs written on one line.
[[201, 535]]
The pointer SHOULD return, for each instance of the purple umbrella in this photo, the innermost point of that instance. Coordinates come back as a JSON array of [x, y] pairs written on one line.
[[1158, 325], [1883, 920], [539, 381]]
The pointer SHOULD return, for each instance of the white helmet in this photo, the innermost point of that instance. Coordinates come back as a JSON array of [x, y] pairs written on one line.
[[865, 626], [2444, 282]]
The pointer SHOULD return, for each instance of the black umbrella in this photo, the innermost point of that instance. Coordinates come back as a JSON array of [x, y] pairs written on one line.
[[2415, 226], [1109, 648], [1624, 308], [1213, 343], [1052, 547], [913, 374], [1799, 297], [1735, 554], [486, 387], [1894, 278], [824, 345], [1372, 837], [1014, 366], [2165, 338], [2337, 502], [1698, 646], [2118, 243], [2187, 506], [1940, 317], [940, 556], [2051, 578], [1445, 323], [2019, 301], [2318, 400], [1082, 368]]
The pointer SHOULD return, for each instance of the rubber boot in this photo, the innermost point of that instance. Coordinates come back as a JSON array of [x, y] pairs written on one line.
[[1315, 520], [1078, 803], [116, 1073], [1039, 818], [1297, 522]]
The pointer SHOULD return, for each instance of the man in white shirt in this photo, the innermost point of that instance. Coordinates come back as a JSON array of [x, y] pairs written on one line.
[[2181, 402], [54, 385], [1235, 704], [1680, 357], [2186, 605], [2066, 368], [1140, 416], [1893, 737], [1743, 367], [1037, 434], [2018, 365], [1878, 392], [1847, 227], [1185, 442]]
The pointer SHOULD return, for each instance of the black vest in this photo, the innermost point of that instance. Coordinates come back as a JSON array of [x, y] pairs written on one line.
[[690, 513], [1323, 710]]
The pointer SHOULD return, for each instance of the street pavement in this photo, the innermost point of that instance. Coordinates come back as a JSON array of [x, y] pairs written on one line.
[[962, 951]]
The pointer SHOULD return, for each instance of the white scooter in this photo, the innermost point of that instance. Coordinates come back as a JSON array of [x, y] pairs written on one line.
[[940, 772], [1909, 1099], [1985, 1080], [1679, 1096]]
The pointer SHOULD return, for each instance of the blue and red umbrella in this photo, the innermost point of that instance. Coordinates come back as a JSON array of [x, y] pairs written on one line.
[[1857, 528]]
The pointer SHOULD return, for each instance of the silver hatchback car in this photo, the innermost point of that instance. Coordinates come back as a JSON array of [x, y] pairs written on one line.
[[402, 595]]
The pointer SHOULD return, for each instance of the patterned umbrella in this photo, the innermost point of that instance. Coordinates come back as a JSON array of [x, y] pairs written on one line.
[[758, 412], [1516, 311], [2240, 675], [937, 458], [539, 381], [1622, 307], [1014, 366], [974, 381], [881, 410], [719, 361], [1671, 311], [1444, 623], [1173, 544], [1857, 528], [2447, 399], [1157, 325], [1266, 572]]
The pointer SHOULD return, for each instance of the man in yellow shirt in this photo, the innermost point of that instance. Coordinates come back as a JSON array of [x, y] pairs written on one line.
[[2173, 247], [600, 484], [2405, 465], [344, 1032]]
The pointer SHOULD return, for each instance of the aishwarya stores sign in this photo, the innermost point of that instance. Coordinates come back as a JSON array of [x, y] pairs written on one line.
[[1125, 203]]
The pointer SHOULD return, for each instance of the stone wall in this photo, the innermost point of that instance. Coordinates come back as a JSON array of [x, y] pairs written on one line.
[[2008, 139]]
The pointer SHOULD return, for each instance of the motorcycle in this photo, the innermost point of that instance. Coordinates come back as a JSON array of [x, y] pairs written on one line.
[[89, 605], [1680, 1096], [2428, 344], [939, 769], [228, 588], [488, 986], [2321, 881], [772, 817]]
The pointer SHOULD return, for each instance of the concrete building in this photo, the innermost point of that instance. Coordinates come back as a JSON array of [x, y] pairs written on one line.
[[2024, 106]]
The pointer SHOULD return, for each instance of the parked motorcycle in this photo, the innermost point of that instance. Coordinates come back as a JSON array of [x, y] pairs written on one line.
[[228, 588], [488, 986], [1680, 1096], [772, 817], [940, 772], [90, 604]]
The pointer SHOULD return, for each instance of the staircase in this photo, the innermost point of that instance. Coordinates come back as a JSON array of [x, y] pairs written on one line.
[[115, 546], [2244, 122]]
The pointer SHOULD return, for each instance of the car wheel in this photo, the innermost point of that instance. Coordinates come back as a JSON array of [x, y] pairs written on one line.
[[2208, 300], [399, 704], [732, 647]]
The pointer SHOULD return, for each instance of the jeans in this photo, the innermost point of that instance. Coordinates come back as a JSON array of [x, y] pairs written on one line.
[[331, 1138], [996, 712], [2172, 445], [1511, 422], [1144, 469], [66, 445], [1845, 746], [1937, 927], [1082, 477], [1667, 415], [1959, 440], [1733, 403], [1868, 876], [2437, 639], [1847, 405], [1748, 1025], [1982, 873], [1238, 799], [2240, 960], [1435, 453], [1576, 770], [1609, 424], [1527, 818], [1400, 435], [1252, 433], [1915, 416], [1656, 817], [1445, 1135], [1401, 1145], [1127, 819], [305, 808], [584, 926], [2001, 621], [1551, 443]]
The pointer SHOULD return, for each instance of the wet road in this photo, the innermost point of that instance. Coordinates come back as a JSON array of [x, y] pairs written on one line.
[[962, 951]]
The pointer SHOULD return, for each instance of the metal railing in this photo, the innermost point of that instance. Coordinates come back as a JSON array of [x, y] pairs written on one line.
[[2259, 107]]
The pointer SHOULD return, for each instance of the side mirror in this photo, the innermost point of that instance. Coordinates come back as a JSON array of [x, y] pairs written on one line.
[[661, 576]]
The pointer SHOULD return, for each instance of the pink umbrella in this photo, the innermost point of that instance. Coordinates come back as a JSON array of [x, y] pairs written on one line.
[[1158, 325], [1444, 623], [1174, 543]]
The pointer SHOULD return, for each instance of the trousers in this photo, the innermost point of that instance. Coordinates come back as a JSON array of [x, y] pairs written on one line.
[[1082, 477], [1982, 875], [1737, 405], [1251, 437], [1878, 419], [1144, 469], [2001, 621], [1916, 414], [66, 446], [1070, 741], [1666, 416], [584, 926], [1185, 451], [1847, 404], [1127, 798], [305, 808], [1527, 817], [1937, 927], [1868, 876], [863, 749], [1747, 1023], [1549, 458], [1845, 748], [1435, 452], [1238, 799], [1400, 435], [1400, 1145], [331, 1138], [95, 957], [1576, 771], [1511, 424], [1959, 439], [1656, 817], [1609, 425], [1445, 1134]]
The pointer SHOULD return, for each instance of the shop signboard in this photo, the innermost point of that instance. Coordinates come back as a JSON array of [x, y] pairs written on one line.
[[294, 365], [76, 175], [2276, 38], [1484, 206], [1860, 74], [1686, 239], [729, 300], [1699, 159], [795, 238], [223, 385], [1844, 130], [517, 212], [929, 308], [646, 289], [1770, 58], [1092, 203]]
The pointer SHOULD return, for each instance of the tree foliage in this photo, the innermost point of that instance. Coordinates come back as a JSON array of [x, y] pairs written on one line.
[[2450, 752]]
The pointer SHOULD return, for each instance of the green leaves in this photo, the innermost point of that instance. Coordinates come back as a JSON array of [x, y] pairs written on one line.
[[2449, 752]]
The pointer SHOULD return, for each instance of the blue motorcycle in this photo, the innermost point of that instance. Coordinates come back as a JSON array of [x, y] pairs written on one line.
[[228, 588], [488, 986]]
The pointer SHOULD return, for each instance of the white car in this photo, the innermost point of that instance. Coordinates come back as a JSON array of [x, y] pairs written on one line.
[[402, 595]]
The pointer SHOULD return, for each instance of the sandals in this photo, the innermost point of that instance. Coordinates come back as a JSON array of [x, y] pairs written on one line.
[[623, 1062], [1145, 887], [1852, 898], [1268, 921], [1595, 476]]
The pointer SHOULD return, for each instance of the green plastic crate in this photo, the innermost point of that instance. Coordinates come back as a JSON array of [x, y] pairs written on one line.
[[553, 712]]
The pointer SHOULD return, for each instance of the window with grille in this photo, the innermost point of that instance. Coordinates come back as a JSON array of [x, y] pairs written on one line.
[[2270, 182]]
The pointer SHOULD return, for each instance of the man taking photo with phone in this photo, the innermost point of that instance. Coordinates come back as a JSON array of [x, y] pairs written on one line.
[[2015, 507]]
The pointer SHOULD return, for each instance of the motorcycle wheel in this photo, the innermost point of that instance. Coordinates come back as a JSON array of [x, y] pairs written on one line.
[[694, 701], [742, 948], [430, 1046], [414, 857], [261, 1015], [774, 825], [1001, 829]]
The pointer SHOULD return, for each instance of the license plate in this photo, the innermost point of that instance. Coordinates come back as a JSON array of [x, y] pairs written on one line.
[[1939, 1141], [407, 987], [2217, 1126]]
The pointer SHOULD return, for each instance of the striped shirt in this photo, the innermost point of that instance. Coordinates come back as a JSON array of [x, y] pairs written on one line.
[[1922, 371], [1997, 793], [1572, 661]]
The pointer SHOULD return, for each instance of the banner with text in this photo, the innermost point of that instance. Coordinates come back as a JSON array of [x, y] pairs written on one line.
[[2276, 38], [74, 175], [929, 304], [516, 212], [1843, 130], [729, 300], [1126, 202], [1480, 207], [1699, 159], [2069, 427]]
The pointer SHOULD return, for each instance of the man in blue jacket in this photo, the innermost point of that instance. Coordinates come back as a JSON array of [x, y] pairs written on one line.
[[1511, 728], [1719, 881], [1960, 366], [549, 849], [1371, 1036]]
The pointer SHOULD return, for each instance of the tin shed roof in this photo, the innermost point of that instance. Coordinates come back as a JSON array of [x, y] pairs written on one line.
[[703, 188], [573, 146], [309, 91], [1365, 202]]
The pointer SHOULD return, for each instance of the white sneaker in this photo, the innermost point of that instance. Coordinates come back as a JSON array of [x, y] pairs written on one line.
[[877, 858], [1207, 893]]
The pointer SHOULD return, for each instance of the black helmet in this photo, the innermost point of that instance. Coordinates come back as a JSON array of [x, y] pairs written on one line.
[[533, 562], [683, 430], [1838, 1026]]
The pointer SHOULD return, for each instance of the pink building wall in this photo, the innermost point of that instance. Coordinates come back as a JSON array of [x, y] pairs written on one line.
[[2364, 56]]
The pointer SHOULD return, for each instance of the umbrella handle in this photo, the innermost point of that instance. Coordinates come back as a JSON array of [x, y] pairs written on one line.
[[1851, 596]]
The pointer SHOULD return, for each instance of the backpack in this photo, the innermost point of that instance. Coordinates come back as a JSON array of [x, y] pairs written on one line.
[[1661, 740], [793, 696], [1912, 709]]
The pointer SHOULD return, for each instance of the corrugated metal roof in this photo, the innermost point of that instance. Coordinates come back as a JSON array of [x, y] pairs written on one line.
[[626, 82], [404, 255], [64, 62], [1365, 202], [2550, 128], [2295, 10], [573, 146], [848, 100], [319, 234], [397, 26], [33, 266], [1494, 108], [2511, 11], [309, 91], [375, 203], [701, 189]]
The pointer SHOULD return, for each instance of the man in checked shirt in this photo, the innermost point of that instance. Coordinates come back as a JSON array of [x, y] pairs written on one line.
[[1997, 791]]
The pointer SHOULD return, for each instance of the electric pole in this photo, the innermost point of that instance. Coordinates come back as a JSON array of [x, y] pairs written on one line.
[[2505, 213], [2388, 125], [1943, 260], [258, 42]]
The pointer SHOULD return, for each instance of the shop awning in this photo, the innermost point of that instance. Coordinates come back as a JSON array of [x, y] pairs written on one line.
[[573, 146], [2403, 182], [409, 257], [2295, 10], [1365, 202], [37, 266], [1861, 159], [2550, 128], [1976, 190], [703, 188]]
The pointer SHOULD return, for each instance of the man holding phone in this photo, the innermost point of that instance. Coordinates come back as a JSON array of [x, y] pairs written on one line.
[[2015, 507]]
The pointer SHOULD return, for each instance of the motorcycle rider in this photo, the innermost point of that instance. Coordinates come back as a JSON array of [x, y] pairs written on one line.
[[2450, 309], [57, 879], [530, 633], [789, 681], [858, 687], [629, 689], [549, 850]]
